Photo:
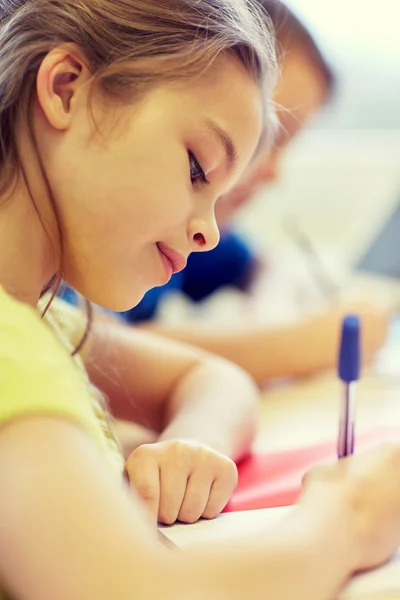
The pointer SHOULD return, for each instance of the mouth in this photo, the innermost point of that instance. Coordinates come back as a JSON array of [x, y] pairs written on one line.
[[173, 261]]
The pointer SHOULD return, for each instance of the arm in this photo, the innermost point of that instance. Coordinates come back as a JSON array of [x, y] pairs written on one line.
[[65, 532], [170, 388], [294, 350], [263, 352]]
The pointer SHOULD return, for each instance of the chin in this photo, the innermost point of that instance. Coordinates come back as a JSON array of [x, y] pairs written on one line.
[[121, 303], [116, 288], [113, 298]]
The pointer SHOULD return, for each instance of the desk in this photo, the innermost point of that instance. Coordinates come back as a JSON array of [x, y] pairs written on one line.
[[307, 411]]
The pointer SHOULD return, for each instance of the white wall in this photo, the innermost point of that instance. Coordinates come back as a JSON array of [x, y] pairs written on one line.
[[364, 46]]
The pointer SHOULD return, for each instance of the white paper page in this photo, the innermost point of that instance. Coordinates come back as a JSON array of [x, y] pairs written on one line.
[[225, 526], [382, 584]]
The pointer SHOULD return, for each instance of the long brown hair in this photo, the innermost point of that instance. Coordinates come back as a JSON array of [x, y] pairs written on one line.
[[129, 46]]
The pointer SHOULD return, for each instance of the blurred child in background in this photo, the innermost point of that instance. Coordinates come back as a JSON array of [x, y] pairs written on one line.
[[305, 84]]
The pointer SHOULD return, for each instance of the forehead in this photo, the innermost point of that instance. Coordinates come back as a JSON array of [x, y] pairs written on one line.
[[301, 85], [300, 91]]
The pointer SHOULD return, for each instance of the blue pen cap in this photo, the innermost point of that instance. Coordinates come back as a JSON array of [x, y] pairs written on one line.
[[349, 355]]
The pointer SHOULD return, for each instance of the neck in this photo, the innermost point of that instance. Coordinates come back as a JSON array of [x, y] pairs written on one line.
[[27, 253]]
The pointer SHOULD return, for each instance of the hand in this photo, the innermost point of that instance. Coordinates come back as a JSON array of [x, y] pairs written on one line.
[[365, 489], [181, 480], [325, 330]]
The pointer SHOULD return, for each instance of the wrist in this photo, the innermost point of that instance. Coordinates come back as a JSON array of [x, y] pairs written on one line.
[[330, 523], [170, 434], [308, 543], [323, 553]]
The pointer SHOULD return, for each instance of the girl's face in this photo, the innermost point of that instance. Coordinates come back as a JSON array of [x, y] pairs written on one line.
[[136, 195]]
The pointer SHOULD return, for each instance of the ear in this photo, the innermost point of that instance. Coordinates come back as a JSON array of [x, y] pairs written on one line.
[[61, 75]]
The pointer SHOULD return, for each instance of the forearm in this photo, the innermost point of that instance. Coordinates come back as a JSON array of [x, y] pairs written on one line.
[[137, 371], [67, 528], [264, 353], [173, 389], [215, 404], [74, 522], [305, 558]]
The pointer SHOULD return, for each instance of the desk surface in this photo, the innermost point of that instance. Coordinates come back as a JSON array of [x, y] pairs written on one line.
[[307, 412]]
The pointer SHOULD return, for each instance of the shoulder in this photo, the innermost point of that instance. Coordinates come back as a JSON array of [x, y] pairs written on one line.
[[37, 374]]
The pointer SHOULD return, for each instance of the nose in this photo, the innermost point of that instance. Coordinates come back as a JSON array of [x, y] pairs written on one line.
[[203, 233]]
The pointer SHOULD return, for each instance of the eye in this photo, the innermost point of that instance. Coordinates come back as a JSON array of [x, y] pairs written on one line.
[[197, 175]]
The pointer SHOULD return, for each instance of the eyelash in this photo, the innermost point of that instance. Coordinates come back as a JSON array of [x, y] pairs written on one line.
[[199, 178]]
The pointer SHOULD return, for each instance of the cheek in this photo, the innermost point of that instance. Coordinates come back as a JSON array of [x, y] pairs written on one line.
[[162, 199], [119, 193], [141, 210]]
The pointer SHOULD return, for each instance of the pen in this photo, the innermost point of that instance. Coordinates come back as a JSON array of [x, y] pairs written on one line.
[[326, 284], [349, 373]]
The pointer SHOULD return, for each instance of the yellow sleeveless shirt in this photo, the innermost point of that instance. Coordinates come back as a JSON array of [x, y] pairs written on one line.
[[38, 375]]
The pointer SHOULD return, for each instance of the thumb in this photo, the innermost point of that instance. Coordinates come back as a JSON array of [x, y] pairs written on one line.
[[144, 481]]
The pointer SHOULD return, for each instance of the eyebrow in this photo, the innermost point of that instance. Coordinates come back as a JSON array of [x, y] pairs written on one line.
[[225, 139]]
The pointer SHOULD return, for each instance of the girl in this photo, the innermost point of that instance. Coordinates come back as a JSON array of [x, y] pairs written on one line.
[[120, 124]]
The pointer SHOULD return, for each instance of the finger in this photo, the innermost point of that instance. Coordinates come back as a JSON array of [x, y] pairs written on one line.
[[307, 478], [323, 471], [144, 479], [196, 498], [173, 484], [221, 491]]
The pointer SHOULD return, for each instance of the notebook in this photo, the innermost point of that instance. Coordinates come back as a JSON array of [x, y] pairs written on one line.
[[379, 584], [269, 480], [376, 269], [381, 257]]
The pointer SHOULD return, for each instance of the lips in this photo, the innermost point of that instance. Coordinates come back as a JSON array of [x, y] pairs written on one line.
[[173, 261]]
